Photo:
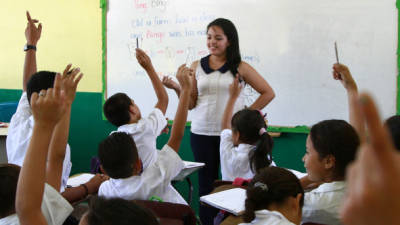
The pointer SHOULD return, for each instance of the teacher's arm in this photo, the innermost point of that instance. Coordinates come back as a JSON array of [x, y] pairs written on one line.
[[194, 92], [258, 83]]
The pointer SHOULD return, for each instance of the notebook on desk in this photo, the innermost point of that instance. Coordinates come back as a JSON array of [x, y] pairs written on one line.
[[189, 168], [76, 180], [231, 200]]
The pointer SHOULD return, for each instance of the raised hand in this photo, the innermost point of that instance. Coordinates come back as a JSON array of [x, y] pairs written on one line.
[[184, 77], [32, 32], [342, 73], [373, 195], [169, 83], [69, 83], [235, 88], [143, 59], [49, 105]]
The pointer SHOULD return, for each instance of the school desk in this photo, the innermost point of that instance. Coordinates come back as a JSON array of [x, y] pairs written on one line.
[[190, 168]]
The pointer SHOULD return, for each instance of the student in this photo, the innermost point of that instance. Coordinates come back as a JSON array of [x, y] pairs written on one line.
[[21, 124], [274, 197], [373, 195], [330, 147], [119, 158], [122, 112], [116, 211], [245, 145], [40, 176]]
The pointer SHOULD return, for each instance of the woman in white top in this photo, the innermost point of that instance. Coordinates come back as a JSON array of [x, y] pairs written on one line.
[[274, 197], [246, 146], [210, 93]]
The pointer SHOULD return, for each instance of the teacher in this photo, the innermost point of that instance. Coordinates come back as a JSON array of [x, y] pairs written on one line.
[[213, 75]]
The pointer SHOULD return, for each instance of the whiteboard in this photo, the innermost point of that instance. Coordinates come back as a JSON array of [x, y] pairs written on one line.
[[289, 42]]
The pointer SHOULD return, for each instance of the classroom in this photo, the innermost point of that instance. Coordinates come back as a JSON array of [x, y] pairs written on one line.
[[293, 50]]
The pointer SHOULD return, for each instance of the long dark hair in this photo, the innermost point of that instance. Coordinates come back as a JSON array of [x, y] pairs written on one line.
[[233, 57], [271, 185], [249, 123]]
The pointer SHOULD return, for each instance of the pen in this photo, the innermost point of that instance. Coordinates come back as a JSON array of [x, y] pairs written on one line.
[[336, 52]]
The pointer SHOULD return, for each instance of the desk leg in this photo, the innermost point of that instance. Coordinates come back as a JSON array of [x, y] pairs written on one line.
[[190, 189]]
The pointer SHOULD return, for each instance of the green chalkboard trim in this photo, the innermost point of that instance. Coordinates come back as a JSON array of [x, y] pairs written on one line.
[[274, 129], [103, 6], [398, 60]]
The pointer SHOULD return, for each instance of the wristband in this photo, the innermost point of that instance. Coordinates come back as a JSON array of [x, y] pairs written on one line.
[[27, 47]]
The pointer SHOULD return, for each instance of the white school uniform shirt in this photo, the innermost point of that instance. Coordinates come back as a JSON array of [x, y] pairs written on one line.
[[145, 133], [213, 94], [155, 180], [19, 136], [54, 208], [266, 217], [322, 204], [235, 161]]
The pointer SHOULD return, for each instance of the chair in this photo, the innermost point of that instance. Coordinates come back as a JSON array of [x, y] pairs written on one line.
[[7, 109], [218, 183], [170, 213]]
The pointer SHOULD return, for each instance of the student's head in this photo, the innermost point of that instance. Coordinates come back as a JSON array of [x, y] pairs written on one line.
[[119, 109], [41, 80], [249, 127], [117, 211], [223, 39], [274, 189], [393, 124], [331, 146], [118, 156], [9, 174]]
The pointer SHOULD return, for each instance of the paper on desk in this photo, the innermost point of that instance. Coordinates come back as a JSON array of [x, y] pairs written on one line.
[[231, 200], [75, 181], [192, 164], [297, 173]]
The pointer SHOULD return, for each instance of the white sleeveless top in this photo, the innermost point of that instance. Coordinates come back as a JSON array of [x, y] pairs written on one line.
[[213, 94]]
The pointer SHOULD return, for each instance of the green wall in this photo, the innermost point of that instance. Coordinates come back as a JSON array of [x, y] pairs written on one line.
[[88, 129]]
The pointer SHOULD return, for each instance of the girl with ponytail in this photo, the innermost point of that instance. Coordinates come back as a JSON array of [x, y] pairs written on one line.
[[274, 196], [245, 146]]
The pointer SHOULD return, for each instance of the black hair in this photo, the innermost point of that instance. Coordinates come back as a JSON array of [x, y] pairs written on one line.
[[9, 174], [41, 80], [249, 122], [393, 124], [118, 154], [337, 138], [116, 109], [233, 57], [118, 211], [271, 185]]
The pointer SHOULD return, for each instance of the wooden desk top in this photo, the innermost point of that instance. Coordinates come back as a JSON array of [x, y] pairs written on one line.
[[3, 131]]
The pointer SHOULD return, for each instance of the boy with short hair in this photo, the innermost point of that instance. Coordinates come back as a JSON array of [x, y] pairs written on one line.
[[120, 160], [22, 122], [37, 200], [121, 111]]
